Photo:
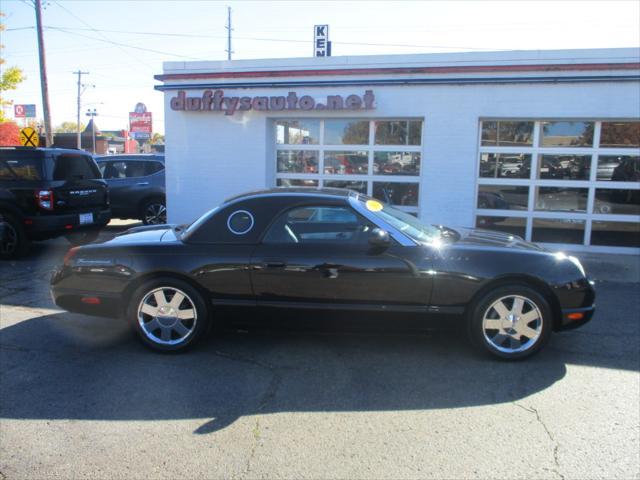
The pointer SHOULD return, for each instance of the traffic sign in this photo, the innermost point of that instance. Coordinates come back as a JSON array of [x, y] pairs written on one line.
[[24, 111], [29, 137]]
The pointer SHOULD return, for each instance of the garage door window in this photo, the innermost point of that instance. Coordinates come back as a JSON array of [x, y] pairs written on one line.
[[377, 157], [573, 182]]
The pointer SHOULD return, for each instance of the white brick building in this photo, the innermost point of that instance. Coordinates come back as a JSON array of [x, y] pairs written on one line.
[[544, 144]]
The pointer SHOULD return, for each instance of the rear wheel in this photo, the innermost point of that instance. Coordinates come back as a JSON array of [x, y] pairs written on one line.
[[168, 314], [511, 322], [14, 242], [154, 212]]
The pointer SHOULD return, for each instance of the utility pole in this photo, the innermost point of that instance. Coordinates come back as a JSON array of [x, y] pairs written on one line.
[[43, 76], [229, 29], [79, 73]]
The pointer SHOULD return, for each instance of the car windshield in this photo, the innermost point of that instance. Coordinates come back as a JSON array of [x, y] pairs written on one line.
[[406, 223]]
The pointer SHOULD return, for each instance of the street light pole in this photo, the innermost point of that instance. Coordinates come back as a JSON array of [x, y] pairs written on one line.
[[79, 73]]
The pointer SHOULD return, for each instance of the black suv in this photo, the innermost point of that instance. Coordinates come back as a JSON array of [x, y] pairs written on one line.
[[49, 192]]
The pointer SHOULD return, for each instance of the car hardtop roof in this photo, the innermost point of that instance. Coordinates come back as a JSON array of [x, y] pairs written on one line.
[[295, 191]]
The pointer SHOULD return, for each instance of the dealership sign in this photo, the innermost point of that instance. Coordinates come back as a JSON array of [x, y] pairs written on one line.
[[218, 102], [24, 111], [321, 43], [140, 123]]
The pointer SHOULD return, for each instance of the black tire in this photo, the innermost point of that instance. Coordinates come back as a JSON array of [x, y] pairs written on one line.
[[82, 237], [14, 242], [509, 340], [154, 212], [152, 334]]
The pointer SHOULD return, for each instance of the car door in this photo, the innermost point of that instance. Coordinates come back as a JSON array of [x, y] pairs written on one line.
[[114, 172], [319, 255]]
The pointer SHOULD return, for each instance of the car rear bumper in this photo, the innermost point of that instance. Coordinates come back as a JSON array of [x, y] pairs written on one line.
[[46, 226], [89, 303]]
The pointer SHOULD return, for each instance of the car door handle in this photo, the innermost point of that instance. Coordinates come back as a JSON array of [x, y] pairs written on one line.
[[273, 264], [142, 183]]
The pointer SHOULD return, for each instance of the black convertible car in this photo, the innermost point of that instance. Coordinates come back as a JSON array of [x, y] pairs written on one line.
[[325, 249]]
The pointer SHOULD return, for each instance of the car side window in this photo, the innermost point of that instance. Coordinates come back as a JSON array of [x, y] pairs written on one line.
[[318, 224], [153, 167], [135, 169], [114, 170]]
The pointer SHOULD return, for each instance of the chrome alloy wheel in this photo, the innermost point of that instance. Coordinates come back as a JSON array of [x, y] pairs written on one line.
[[167, 316], [512, 324], [155, 214]]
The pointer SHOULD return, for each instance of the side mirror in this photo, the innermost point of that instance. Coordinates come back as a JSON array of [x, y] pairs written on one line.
[[379, 238]]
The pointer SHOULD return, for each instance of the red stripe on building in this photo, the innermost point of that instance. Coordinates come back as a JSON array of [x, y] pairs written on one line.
[[404, 71]]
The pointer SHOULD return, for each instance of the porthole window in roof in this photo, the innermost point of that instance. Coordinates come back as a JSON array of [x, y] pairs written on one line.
[[240, 222]]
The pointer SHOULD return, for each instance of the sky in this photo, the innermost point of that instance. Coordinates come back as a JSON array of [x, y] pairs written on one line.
[[123, 43]]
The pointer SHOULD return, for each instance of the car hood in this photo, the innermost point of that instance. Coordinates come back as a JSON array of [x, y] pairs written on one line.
[[490, 238]]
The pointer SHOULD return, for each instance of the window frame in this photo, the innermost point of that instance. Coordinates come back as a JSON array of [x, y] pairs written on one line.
[[371, 148], [536, 150]]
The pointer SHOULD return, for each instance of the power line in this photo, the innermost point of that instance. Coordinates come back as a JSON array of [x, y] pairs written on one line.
[[99, 33]]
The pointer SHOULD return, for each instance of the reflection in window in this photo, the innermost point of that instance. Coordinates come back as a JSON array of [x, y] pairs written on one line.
[[512, 225], [505, 165], [561, 199], [617, 201], [297, 132], [396, 193], [558, 230], [564, 167], [619, 234], [567, 134], [503, 197], [619, 168], [396, 163], [358, 186], [296, 182], [620, 134], [398, 132], [297, 161], [346, 132], [507, 133], [346, 163]]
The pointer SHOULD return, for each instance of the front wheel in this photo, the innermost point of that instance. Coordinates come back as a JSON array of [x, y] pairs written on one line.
[[511, 322], [168, 314]]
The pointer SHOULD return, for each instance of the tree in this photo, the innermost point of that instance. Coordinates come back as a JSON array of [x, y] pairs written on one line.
[[9, 134], [69, 127], [156, 139], [10, 78]]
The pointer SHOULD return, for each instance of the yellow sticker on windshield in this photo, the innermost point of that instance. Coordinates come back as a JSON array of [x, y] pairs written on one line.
[[374, 205]]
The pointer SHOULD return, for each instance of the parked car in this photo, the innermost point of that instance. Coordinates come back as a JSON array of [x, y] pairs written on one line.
[[136, 186], [325, 249], [49, 192]]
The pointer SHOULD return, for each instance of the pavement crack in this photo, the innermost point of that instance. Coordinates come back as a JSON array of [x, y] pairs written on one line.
[[556, 445]]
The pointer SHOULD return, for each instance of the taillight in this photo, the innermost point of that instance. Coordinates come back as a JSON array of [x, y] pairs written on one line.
[[44, 198], [69, 255]]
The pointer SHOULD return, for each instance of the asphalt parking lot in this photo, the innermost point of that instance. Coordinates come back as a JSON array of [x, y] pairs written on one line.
[[81, 398]]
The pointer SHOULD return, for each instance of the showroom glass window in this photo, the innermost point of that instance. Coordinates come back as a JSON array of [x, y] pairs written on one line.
[[569, 182], [378, 157]]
